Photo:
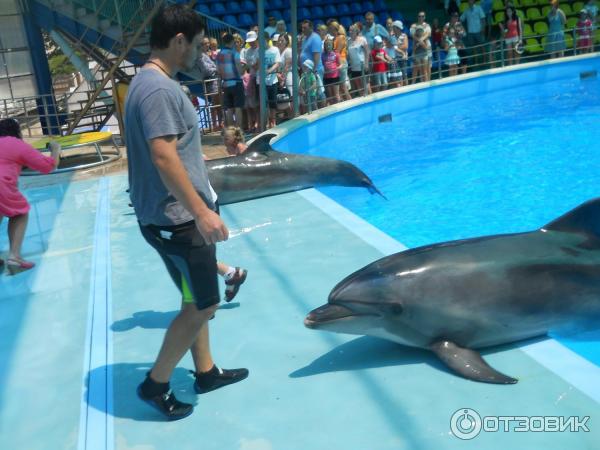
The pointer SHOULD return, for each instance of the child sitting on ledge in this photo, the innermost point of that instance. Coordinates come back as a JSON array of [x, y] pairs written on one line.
[[234, 141]]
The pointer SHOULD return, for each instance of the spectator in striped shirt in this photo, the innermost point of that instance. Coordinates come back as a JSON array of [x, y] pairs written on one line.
[[230, 70]]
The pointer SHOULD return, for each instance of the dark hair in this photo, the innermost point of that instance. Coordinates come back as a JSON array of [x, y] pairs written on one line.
[[286, 38], [514, 14], [172, 20], [307, 22], [227, 38], [10, 127]]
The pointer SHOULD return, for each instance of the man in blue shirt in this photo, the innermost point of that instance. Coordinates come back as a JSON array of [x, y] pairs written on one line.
[[312, 47], [474, 19], [372, 29]]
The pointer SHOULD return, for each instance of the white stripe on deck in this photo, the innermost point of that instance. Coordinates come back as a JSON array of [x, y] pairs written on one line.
[[360, 227], [96, 416]]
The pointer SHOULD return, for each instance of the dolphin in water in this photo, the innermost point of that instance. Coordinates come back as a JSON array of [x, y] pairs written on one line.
[[456, 297], [262, 171]]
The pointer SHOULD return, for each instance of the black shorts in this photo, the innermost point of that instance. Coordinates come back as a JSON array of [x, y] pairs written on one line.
[[233, 96], [191, 263], [354, 74], [334, 80], [272, 96]]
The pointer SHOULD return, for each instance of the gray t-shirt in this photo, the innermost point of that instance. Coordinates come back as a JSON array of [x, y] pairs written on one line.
[[157, 106]]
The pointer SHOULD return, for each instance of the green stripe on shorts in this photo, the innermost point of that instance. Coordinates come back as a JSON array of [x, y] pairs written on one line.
[[185, 291]]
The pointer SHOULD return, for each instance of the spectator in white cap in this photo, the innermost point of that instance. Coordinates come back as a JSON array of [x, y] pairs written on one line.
[[400, 42], [308, 86], [249, 58], [380, 60], [281, 27], [592, 10]]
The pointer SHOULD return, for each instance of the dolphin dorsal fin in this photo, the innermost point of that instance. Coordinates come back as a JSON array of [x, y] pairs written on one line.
[[583, 219], [262, 143]]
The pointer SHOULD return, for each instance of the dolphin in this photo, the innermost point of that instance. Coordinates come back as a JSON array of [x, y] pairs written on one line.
[[262, 171], [457, 297]]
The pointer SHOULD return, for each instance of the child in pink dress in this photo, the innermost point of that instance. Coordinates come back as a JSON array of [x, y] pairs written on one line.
[[14, 155], [585, 29]]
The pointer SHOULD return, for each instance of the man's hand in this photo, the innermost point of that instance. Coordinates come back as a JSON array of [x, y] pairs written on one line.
[[211, 227]]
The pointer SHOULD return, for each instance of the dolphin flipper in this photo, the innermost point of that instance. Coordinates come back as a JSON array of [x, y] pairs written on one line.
[[468, 363]]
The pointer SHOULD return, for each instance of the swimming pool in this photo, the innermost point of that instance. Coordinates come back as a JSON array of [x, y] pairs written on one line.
[[508, 161], [81, 329]]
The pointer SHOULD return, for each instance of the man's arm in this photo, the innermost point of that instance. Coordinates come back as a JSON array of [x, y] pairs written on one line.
[[316, 59], [174, 176]]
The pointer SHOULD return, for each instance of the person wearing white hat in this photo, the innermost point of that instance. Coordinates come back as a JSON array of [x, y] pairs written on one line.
[[249, 58], [308, 87], [400, 40], [585, 30]]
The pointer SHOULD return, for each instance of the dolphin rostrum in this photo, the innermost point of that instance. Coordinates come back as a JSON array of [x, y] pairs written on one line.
[[456, 297], [262, 171]]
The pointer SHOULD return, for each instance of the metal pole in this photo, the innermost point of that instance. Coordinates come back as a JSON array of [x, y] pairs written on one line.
[[295, 82], [262, 87]]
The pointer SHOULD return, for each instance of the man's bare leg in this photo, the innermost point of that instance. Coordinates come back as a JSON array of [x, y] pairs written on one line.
[[200, 350], [182, 333]]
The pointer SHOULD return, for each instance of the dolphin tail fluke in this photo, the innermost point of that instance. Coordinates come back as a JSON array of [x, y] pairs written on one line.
[[468, 363]]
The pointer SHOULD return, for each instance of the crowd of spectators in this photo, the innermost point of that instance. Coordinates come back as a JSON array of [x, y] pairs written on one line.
[[336, 64]]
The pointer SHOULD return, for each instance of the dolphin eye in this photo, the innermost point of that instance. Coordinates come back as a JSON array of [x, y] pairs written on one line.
[[396, 309]]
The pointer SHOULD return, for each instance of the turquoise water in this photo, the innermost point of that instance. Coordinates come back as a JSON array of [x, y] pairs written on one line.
[[504, 162]]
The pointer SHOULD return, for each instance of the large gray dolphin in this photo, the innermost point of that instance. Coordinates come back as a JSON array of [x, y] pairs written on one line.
[[261, 171], [456, 297]]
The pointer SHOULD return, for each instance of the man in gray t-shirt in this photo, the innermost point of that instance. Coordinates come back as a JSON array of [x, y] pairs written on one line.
[[175, 204], [157, 106]]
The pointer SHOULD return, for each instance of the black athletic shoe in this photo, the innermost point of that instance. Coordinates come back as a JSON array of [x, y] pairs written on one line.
[[167, 404], [217, 378]]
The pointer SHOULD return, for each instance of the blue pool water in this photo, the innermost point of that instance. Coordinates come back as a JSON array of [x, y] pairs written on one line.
[[504, 162]]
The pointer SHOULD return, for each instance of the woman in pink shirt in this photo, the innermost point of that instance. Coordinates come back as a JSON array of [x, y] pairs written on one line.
[[332, 65], [14, 155]]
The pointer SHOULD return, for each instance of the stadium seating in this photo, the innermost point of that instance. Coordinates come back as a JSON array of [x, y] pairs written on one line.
[[316, 12], [248, 6], [218, 9], [540, 28], [356, 8], [533, 14], [344, 9], [380, 5], [330, 11], [532, 45], [231, 20], [245, 20]]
